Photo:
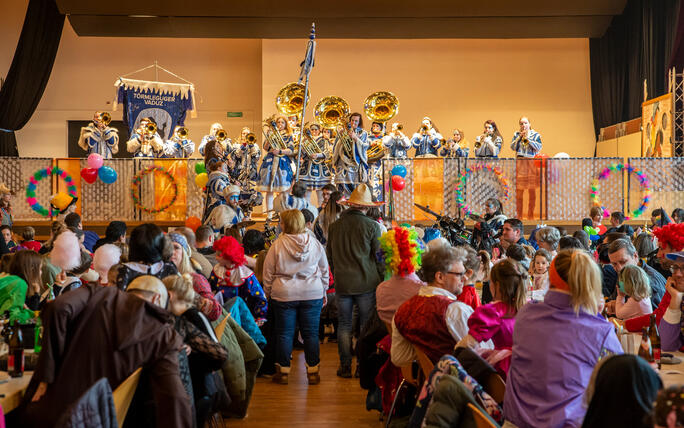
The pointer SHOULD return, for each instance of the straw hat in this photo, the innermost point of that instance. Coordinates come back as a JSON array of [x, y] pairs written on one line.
[[361, 196]]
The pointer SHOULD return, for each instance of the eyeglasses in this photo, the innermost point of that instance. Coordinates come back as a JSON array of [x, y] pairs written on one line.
[[458, 274], [677, 268]]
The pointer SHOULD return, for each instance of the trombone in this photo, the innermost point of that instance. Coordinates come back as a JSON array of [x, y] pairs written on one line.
[[181, 133]]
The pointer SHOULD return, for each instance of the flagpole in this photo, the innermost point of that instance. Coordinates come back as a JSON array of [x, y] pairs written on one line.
[[307, 65]]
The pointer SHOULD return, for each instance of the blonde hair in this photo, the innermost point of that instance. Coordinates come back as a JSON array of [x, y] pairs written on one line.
[[636, 282], [583, 276], [292, 222], [185, 266], [181, 287]]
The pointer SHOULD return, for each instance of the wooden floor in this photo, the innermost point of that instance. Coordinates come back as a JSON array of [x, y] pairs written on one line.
[[334, 402]]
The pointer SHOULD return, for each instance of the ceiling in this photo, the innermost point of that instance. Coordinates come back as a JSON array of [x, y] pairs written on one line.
[[358, 19]]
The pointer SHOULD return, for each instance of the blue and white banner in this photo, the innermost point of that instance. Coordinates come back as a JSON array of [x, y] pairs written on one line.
[[166, 103]]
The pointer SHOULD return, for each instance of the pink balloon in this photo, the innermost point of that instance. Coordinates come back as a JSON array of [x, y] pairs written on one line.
[[95, 161]]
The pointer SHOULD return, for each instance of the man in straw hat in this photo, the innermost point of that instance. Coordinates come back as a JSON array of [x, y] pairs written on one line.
[[352, 245]]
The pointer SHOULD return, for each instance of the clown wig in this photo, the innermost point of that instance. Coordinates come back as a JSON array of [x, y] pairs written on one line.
[[400, 251], [230, 249], [672, 235]]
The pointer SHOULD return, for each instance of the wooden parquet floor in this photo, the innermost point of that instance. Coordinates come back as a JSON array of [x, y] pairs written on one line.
[[335, 402]]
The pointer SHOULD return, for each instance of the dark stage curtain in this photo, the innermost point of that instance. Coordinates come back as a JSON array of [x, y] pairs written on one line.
[[637, 45], [30, 70]]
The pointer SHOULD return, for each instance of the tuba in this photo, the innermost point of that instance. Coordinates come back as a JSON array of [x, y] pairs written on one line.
[[290, 99], [332, 112], [379, 106]]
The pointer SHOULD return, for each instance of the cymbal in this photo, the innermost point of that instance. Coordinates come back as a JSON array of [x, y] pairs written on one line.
[[242, 224]]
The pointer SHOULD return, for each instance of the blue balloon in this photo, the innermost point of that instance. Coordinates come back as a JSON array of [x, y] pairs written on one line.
[[399, 170], [594, 237], [107, 174]]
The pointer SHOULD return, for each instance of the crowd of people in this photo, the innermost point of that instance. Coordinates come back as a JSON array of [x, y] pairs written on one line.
[[530, 310]]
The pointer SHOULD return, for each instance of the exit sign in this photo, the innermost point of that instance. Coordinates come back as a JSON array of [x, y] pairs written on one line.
[[234, 114]]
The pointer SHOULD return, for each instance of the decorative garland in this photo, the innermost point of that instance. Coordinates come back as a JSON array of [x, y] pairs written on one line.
[[400, 251], [463, 177], [643, 180], [38, 176], [135, 189]]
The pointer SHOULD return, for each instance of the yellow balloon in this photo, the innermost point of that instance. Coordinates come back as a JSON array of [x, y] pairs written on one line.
[[202, 179]]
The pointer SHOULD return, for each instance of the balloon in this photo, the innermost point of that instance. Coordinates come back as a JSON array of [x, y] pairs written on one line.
[[591, 231], [201, 180], [199, 168], [107, 174], [95, 161], [89, 175], [398, 183], [193, 223], [399, 170]]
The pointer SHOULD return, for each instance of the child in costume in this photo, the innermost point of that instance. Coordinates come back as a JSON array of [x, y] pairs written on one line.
[[232, 278], [496, 320]]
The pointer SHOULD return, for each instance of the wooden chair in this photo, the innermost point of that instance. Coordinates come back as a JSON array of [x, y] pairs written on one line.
[[221, 327], [425, 363], [123, 395], [481, 420], [496, 387]]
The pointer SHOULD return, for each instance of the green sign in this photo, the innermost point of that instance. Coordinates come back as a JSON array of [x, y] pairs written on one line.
[[234, 114]]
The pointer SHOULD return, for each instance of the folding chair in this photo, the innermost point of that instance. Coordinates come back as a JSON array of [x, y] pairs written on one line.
[[123, 395]]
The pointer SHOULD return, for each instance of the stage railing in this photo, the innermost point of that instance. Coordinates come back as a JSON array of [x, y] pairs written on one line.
[[561, 187]]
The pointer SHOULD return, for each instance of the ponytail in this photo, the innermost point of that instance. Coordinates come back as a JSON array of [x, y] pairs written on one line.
[[511, 278], [583, 279]]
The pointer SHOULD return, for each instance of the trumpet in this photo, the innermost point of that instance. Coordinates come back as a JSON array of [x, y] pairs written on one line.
[[181, 133], [270, 131], [251, 138], [523, 139], [424, 129], [480, 141], [147, 130]]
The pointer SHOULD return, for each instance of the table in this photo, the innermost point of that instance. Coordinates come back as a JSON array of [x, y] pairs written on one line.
[[671, 374], [13, 391]]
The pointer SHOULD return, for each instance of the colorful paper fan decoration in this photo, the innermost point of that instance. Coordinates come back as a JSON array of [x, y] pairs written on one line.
[[38, 176], [135, 189], [463, 178], [643, 182]]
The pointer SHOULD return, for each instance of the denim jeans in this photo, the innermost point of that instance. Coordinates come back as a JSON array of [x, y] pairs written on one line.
[[287, 314], [345, 309]]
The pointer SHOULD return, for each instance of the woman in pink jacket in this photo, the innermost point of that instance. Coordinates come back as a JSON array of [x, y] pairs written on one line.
[[295, 279]]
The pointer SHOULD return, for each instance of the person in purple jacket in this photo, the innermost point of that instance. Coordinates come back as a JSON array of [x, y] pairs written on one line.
[[556, 344], [671, 325]]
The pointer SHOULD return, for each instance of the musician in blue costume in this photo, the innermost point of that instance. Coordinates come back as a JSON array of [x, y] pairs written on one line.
[[456, 146], [218, 186], [397, 143], [246, 155], [375, 145], [217, 133], [315, 170], [275, 174], [488, 145], [526, 144], [179, 146], [100, 138], [145, 141], [351, 162], [426, 140]]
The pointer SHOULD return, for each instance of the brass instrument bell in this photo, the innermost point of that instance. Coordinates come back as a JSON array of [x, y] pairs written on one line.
[[290, 99]]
